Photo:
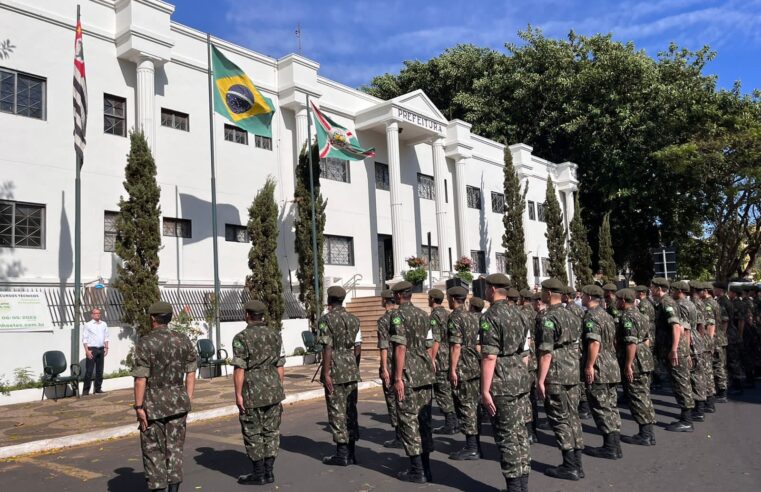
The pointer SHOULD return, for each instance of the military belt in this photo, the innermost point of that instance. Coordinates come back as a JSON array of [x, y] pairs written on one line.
[[163, 385]]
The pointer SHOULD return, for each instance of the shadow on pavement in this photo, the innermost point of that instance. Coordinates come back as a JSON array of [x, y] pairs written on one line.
[[126, 480], [231, 463]]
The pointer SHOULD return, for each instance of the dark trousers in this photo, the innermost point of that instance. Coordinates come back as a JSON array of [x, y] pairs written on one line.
[[96, 364]]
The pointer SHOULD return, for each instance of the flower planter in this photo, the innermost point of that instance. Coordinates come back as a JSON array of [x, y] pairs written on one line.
[[417, 287], [457, 282]]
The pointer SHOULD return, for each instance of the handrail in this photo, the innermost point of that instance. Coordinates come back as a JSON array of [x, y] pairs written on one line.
[[351, 284]]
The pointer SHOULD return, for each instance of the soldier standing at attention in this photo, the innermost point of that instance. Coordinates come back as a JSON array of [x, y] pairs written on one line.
[[735, 331], [559, 378], [259, 358], [505, 380], [674, 350], [636, 360], [611, 305], [719, 336], [578, 311], [691, 322], [341, 338], [706, 329], [531, 417], [476, 305], [464, 371], [386, 365], [442, 388], [601, 373], [647, 308], [413, 382], [163, 358]]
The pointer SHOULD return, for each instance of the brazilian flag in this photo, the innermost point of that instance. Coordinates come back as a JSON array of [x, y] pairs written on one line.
[[237, 98]]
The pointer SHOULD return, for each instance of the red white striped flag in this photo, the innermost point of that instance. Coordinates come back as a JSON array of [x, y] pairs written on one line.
[[80, 94]]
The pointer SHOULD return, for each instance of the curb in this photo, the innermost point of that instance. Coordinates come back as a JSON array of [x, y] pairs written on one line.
[[128, 430]]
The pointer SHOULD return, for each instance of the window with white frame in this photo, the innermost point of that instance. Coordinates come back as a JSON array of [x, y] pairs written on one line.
[[338, 250], [22, 94], [501, 263], [335, 169], [262, 142], [425, 187], [531, 210], [22, 225], [235, 233], [174, 119], [479, 261], [109, 231], [434, 259], [474, 197], [545, 267], [497, 202], [174, 227], [236, 135], [381, 176], [114, 115], [535, 264], [540, 212]]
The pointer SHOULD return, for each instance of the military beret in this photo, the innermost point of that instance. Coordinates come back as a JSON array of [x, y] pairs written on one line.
[[553, 285], [436, 294], [680, 285], [401, 286], [536, 296], [592, 290], [477, 302], [610, 286], [387, 294], [457, 291], [697, 285], [627, 295], [498, 280], [737, 289], [661, 282], [336, 291], [160, 307], [256, 307], [641, 288], [720, 285], [512, 293], [526, 293]]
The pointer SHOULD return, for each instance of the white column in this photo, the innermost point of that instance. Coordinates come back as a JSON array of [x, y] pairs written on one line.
[[301, 129], [461, 206], [145, 101], [439, 171], [570, 213], [289, 172], [395, 179]]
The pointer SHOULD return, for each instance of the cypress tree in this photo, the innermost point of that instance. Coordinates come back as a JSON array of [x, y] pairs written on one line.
[[513, 240], [303, 227], [138, 236], [581, 252], [605, 253], [555, 235], [265, 281]]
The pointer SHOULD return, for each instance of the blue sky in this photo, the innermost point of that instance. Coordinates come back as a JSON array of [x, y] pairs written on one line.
[[354, 40]]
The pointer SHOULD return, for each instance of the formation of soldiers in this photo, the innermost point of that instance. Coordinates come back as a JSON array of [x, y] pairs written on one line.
[[570, 350]]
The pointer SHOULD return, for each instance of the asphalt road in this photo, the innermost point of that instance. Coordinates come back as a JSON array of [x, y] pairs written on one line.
[[723, 454]]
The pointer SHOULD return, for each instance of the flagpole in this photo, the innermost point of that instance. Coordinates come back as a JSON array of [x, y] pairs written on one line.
[[315, 252], [77, 255], [217, 299]]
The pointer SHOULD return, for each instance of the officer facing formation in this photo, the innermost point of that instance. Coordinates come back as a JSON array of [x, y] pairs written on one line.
[[386, 365], [442, 389], [259, 359], [164, 372], [341, 338]]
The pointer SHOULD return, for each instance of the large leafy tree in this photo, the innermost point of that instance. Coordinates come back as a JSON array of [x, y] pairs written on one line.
[[138, 236], [265, 280], [580, 252], [513, 240], [555, 235]]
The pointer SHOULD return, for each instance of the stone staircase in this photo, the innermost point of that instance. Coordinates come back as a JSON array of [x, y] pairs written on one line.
[[369, 309]]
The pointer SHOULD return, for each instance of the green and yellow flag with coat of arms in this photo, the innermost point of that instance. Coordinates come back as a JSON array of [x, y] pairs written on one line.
[[336, 141], [237, 98]]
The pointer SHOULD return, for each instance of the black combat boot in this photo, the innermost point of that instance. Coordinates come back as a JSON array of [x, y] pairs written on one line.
[[451, 426], [710, 406], [352, 452], [577, 454], [514, 484], [426, 459], [607, 450], [684, 424], [524, 483], [617, 443], [173, 487], [415, 474], [568, 470], [256, 477], [269, 466], [650, 433], [469, 452], [478, 444], [584, 412], [396, 442], [341, 458], [721, 396], [640, 439], [736, 388], [531, 431], [697, 412]]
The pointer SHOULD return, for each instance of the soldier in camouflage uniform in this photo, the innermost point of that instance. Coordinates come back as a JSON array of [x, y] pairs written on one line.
[[749, 343], [464, 371], [611, 304], [719, 357], [476, 305], [163, 358], [601, 373], [386, 365], [341, 338], [636, 362], [706, 329], [259, 358], [505, 380], [735, 330], [559, 378], [413, 382], [674, 350], [442, 389], [568, 299], [692, 323], [531, 412]]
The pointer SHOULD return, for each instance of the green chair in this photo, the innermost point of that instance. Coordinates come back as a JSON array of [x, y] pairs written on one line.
[[54, 364], [206, 358]]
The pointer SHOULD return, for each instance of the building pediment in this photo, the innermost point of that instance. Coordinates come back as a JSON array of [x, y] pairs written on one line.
[[416, 115]]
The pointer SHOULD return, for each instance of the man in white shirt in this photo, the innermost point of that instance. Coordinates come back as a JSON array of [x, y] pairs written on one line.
[[95, 341]]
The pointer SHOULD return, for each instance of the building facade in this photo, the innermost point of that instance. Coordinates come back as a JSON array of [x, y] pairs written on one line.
[[145, 71]]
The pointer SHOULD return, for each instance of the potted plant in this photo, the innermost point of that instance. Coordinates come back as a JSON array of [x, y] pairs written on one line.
[[417, 273], [464, 267]]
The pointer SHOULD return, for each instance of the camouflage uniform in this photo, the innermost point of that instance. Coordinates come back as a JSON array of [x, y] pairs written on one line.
[[688, 311], [735, 313], [749, 342], [531, 410], [384, 322], [258, 350], [706, 313], [442, 388], [600, 327], [463, 331], [634, 328], [559, 335], [503, 333], [163, 357], [410, 327], [719, 360], [666, 315], [579, 312], [339, 330]]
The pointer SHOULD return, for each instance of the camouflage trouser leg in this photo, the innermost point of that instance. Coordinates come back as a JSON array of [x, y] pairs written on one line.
[[415, 420], [734, 363], [342, 412], [697, 380], [583, 393], [749, 353], [561, 404], [528, 404], [638, 395], [162, 445], [390, 396], [442, 390], [680, 384], [603, 402], [466, 405], [708, 379], [261, 431], [511, 437], [720, 368]]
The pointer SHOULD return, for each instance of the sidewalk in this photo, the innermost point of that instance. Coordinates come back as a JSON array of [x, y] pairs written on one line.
[[55, 420]]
